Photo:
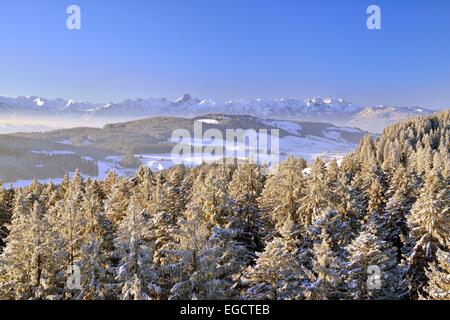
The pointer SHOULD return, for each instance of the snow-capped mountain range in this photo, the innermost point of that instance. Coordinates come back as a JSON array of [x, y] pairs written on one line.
[[338, 111], [34, 103]]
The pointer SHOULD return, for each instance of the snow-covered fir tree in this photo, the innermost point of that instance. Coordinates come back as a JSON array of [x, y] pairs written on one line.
[[372, 270], [135, 272], [325, 276], [317, 198], [438, 287], [245, 188], [392, 225], [6, 207], [207, 260], [429, 223], [25, 265], [118, 201], [95, 263], [281, 197], [277, 273]]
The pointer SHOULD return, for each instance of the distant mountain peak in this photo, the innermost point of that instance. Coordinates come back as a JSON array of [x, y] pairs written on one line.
[[185, 98]]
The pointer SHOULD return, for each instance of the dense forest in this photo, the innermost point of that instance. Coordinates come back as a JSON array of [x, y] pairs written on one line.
[[375, 225]]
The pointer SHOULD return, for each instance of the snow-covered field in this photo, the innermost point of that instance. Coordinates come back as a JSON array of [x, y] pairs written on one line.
[[103, 168], [309, 148], [208, 121], [287, 126], [53, 153]]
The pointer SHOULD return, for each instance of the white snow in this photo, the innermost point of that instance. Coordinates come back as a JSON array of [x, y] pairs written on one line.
[[103, 168], [287, 126], [39, 102], [208, 121], [346, 129], [333, 135], [153, 161], [114, 159], [86, 142], [309, 147], [54, 153], [25, 183], [67, 141]]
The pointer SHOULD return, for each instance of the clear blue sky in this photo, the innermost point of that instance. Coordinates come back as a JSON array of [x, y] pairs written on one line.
[[227, 49]]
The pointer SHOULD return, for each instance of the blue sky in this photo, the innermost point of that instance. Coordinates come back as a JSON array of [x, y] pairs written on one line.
[[228, 49]]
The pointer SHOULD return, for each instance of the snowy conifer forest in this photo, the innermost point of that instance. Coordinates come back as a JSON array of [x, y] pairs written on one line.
[[374, 226]]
